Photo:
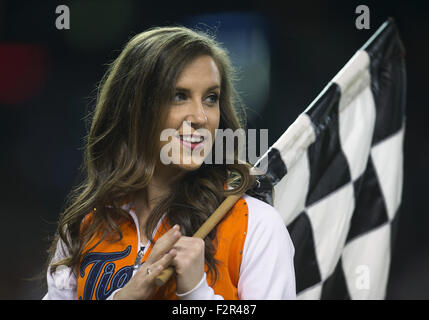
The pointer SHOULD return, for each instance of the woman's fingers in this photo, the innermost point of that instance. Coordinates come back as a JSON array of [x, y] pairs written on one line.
[[154, 270], [188, 263], [142, 284], [164, 244]]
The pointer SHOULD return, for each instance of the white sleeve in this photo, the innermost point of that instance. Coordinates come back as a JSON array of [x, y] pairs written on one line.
[[267, 270], [62, 283], [202, 291]]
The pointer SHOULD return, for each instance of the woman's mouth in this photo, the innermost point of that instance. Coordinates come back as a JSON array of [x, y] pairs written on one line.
[[192, 142]]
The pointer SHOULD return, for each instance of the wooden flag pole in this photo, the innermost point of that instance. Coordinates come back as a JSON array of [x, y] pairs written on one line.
[[203, 231]]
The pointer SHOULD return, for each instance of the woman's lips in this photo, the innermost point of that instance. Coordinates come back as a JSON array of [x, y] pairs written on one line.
[[191, 145]]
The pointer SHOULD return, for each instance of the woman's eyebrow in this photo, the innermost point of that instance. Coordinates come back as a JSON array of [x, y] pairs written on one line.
[[178, 88]]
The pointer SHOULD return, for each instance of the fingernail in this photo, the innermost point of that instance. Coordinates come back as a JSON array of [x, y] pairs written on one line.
[[176, 226]]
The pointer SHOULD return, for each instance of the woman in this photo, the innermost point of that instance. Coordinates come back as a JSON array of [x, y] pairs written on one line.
[[134, 214]]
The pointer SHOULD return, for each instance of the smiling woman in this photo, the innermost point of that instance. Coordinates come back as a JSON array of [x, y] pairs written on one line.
[[195, 107], [133, 215]]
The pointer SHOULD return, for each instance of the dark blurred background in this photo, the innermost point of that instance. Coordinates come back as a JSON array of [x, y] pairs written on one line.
[[286, 54]]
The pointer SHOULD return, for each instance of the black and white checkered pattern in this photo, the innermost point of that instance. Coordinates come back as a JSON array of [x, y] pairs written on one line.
[[337, 174]]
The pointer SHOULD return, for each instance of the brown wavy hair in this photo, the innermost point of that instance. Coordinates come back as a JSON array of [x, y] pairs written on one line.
[[120, 155]]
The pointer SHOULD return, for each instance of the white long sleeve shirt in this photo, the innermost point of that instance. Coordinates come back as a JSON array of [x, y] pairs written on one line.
[[266, 271]]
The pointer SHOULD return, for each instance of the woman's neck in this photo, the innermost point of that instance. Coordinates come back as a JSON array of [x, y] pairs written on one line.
[[158, 188]]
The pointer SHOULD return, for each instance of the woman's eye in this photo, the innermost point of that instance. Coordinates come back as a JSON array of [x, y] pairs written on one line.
[[179, 96], [213, 98]]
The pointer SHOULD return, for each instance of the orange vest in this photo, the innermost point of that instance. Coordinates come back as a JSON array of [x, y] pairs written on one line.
[[110, 264]]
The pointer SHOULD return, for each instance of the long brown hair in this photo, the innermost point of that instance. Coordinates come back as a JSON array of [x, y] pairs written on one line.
[[120, 154]]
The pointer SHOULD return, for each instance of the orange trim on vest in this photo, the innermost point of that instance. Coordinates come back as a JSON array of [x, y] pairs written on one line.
[[110, 265]]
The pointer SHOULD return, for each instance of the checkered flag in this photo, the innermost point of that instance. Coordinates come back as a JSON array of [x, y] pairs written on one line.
[[337, 175]]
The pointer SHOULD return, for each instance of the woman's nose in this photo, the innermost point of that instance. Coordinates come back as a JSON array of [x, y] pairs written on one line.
[[197, 114]]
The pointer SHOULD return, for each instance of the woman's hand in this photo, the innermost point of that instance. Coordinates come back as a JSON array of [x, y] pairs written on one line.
[[142, 285], [189, 263]]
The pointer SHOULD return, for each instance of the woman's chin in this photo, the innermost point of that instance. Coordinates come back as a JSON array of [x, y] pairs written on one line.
[[189, 166]]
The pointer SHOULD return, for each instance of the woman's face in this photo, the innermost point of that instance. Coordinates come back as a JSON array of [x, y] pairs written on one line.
[[194, 114]]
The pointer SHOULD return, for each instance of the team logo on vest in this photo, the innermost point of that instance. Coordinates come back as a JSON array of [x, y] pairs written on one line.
[[103, 271]]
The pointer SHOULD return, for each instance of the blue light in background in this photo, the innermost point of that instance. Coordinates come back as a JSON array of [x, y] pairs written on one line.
[[244, 37]]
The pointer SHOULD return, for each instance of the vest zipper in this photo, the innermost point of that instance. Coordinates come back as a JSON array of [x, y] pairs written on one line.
[[137, 262], [139, 258], [140, 253]]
